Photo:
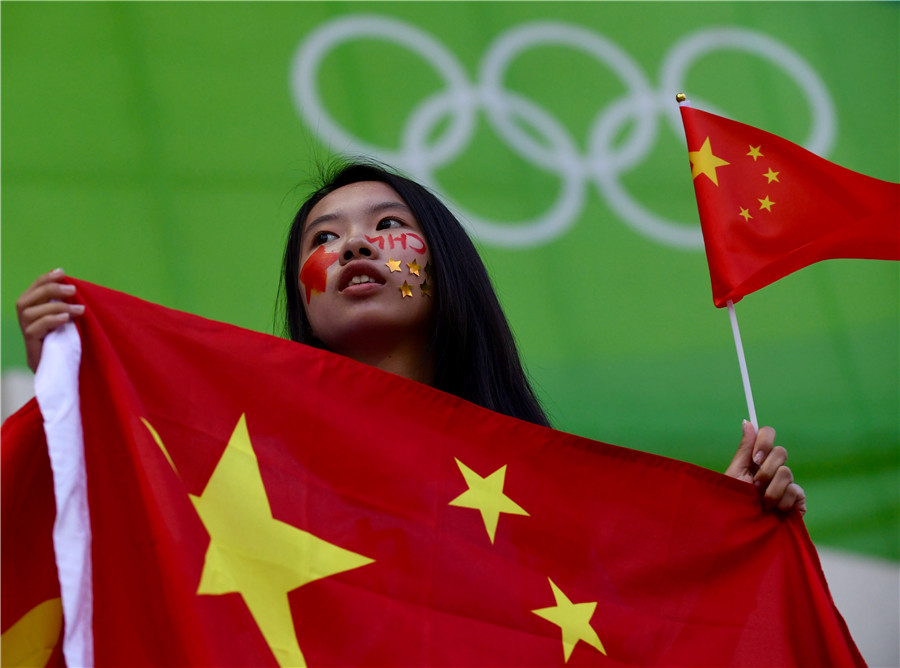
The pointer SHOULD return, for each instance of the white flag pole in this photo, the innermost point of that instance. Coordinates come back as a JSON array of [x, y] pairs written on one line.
[[748, 393]]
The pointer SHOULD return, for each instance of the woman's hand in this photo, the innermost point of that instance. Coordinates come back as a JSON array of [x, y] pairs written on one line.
[[42, 308], [759, 461]]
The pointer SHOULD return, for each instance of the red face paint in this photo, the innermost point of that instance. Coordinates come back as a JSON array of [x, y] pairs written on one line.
[[314, 274], [415, 243], [399, 239], [405, 240], [379, 241]]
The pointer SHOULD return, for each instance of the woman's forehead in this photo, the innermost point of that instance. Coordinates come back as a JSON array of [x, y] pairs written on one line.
[[360, 192], [359, 198]]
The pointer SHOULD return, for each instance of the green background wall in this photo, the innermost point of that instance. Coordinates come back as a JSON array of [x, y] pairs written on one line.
[[160, 149]]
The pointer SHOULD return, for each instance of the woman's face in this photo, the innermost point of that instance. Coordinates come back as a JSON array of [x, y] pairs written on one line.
[[364, 271]]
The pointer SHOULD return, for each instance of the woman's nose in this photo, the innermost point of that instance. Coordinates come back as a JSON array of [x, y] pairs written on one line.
[[357, 247]]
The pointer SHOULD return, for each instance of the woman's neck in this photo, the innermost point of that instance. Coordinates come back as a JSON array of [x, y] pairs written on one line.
[[409, 364]]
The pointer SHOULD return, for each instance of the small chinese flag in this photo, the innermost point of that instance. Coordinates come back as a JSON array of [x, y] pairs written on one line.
[[256, 502], [769, 207]]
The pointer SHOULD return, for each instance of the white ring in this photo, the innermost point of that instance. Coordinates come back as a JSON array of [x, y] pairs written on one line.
[[304, 80], [695, 45]]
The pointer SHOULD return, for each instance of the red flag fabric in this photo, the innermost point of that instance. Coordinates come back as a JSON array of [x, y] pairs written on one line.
[[258, 502], [769, 207], [31, 609]]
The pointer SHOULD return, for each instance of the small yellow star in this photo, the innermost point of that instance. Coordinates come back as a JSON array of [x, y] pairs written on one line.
[[405, 290], [392, 264], [754, 152], [414, 267], [573, 619], [486, 496], [704, 162], [745, 213], [426, 289], [429, 270], [766, 204], [772, 176]]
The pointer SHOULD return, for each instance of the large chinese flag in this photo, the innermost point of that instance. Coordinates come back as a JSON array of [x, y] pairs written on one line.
[[769, 207], [256, 502]]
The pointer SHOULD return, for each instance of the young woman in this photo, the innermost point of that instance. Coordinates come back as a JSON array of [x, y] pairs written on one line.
[[376, 268]]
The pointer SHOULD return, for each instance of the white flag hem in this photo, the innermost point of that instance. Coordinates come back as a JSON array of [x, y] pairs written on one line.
[[56, 389]]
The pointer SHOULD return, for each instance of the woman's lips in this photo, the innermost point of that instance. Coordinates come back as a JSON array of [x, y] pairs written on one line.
[[366, 286]]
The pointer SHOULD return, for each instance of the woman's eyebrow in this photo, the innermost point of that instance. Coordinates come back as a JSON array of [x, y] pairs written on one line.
[[377, 208], [324, 218], [338, 215]]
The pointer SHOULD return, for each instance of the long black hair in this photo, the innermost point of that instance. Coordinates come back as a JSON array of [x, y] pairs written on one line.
[[475, 355]]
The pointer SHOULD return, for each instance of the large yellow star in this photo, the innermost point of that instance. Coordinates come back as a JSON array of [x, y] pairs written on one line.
[[573, 619], [255, 555], [32, 639], [704, 162], [486, 495]]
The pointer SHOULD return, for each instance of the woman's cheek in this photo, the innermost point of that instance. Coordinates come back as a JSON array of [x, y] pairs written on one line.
[[314, 273], [407, 254]]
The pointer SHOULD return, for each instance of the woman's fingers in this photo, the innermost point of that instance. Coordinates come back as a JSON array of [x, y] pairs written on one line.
[[794, 497], [43, 318], [741, 466], [42, 308], [43, 290], [777, 487], [765, 440], [774, 459]]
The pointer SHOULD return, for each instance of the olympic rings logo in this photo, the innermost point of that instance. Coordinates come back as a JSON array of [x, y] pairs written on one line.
[[461, 100]]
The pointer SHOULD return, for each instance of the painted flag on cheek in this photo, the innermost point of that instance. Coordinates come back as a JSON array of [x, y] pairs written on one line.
[[256, 502], [769, 207], [314, 274]]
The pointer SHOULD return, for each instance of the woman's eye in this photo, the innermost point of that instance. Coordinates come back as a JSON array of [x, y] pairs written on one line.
[[388, 223], [323, 238]]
